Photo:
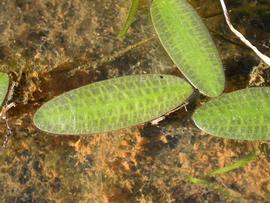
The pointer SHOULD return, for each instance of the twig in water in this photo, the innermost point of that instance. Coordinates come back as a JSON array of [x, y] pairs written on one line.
[[263, 57], [94, 65]]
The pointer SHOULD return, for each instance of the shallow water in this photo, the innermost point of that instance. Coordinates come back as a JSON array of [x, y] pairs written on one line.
[[43, 41]]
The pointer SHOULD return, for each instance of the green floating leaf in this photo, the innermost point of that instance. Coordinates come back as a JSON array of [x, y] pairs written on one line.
[[4, 83], [112, 104], [243, 115], [189, 44]]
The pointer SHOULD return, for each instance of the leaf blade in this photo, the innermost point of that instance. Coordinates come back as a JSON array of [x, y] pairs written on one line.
[[131, 17], [242, 115], [112, 104], [4, 83], [189, 44]]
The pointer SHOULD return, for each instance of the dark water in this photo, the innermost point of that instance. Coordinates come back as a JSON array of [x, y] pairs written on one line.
[[43, 42]]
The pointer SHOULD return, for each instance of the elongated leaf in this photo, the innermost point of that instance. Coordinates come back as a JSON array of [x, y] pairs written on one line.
[[236, 165], [213, 186], [243, 114], [112, 104], [4, 83], [131, 16], [189, 44]]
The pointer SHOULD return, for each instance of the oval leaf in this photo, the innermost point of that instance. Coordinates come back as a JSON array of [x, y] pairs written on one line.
[[189, 44], [112, 104], [243, 115], [4, 83]]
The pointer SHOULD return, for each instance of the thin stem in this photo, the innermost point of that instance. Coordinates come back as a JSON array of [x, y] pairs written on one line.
[[263, 57], [113, 57]]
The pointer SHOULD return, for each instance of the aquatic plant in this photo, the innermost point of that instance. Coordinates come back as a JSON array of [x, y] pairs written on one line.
[[4, 83], [131, 100], [243, 114], [131, 15], [112, 104], [189, 44], [73, 117], [238, 164], [214, 186]]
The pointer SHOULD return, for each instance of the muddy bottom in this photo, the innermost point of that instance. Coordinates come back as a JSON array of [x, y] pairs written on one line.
[[51, 46]]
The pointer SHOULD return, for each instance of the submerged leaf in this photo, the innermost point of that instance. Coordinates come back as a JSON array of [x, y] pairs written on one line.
[[4, 83], [236, 165], [243, 115], [189, 44], [131, 16], [112, 104]]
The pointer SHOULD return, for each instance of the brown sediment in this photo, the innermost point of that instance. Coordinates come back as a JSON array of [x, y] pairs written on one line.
[[40, 41]]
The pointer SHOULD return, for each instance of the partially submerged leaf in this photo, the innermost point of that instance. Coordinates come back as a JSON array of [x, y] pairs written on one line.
[[243, 115], [112, 104], [4, 83], [189, 44]]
